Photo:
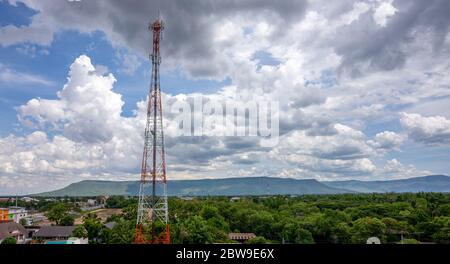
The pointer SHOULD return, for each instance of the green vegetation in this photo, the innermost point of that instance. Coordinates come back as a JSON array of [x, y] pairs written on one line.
[[340, 218], [23, 221], [9, 240], [59, 213], [80, 232], [306, 219], [121, 233], [410, 241], [258, 240]]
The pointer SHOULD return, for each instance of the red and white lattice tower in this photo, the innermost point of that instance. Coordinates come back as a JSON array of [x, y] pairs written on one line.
[[152, 216]]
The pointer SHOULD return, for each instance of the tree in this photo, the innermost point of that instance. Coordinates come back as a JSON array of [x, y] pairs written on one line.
[[426, 230], [130, 212], [410, 241], [80, 232], [442, 234], [23, 221], [121, 233], [319, 226], [366, 227], [217, 226], [117, 202], [257, 240], [294, 233], [57, 212], [261, 223], [394, 228], [9, 241], [341, 233], [67, 220], [94, 228], [443, 210], [208, 212], [302, 209], [194, 231]]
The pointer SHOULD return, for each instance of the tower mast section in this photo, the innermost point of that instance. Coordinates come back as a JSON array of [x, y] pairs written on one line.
[[152, 225]]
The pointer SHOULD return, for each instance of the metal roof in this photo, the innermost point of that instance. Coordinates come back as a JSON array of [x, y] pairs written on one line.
[[110, 225], [6, 229], [241, 236], [55, 231]]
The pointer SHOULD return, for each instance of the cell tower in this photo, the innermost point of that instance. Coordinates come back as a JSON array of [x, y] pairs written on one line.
[[152, 217]]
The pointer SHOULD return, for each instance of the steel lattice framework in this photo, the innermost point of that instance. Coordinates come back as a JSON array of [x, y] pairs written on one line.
[[152, 216]]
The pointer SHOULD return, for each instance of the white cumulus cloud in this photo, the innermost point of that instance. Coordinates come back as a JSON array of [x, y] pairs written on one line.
[[383, 12], [433, 130]]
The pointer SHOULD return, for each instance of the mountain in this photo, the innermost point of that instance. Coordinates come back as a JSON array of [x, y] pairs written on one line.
[[433, 183], [258, 186], [204, 187], [94, 188]]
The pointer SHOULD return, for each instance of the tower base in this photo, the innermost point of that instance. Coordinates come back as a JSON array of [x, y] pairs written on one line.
[[162, 238]]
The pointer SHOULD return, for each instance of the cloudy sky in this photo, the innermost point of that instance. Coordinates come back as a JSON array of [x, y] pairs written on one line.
[[363, 87]]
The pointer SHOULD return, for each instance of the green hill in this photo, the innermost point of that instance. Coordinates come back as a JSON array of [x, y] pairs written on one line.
[[433, 183], [257, 186], [204, 187]]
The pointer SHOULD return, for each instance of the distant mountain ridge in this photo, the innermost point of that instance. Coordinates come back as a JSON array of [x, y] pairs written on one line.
[[258, 186], [432, 183], [203, 187]]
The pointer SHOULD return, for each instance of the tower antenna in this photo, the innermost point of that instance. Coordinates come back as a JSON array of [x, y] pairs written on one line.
[[152, 225]]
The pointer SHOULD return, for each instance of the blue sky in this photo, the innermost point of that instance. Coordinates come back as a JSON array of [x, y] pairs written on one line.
[[363, 94], [67, 46]]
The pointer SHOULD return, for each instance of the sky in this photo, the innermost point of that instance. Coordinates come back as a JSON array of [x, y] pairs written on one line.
[[363, 88]]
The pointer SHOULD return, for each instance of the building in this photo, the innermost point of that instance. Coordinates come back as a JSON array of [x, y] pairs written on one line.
[[241, 237], [102, 199], [37, 218], [11, 229], [50, 233], [91, 202], [110, 225], [29, 199], [4, 215], [235, 199], [16, 213], [13, 213], [31, 230], [89, 205]]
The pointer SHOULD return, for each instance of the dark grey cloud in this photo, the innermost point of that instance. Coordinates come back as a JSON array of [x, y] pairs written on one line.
[[201, 150], [341, 152], [236, 143], [386, 48], [189, 34], [189, 24], [305, 97], [194, 150], [314, 124]]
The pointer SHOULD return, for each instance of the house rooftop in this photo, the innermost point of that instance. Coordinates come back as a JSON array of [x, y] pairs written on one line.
[[54, 231], [241, 236], [110, 225], [7, 228], [16, 207]]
